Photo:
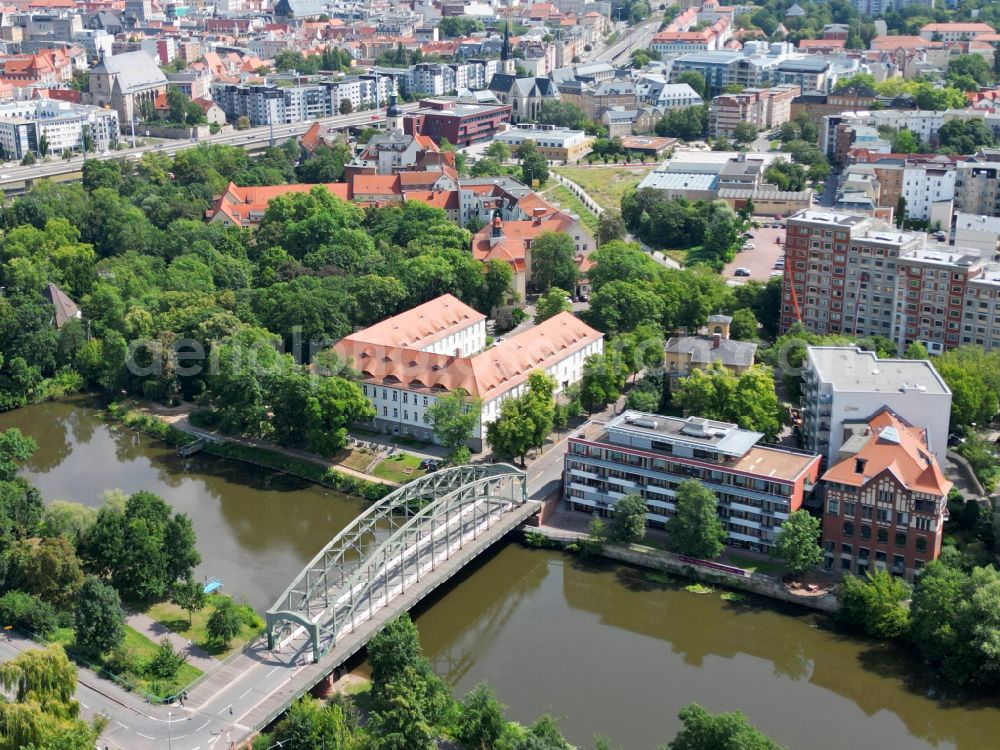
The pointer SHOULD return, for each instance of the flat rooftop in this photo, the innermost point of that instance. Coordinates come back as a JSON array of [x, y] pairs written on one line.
[[850, 369], [830, 218], [679, 181], [738, 446]]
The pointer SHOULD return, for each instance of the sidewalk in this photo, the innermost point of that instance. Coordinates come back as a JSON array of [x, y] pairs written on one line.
[[157, 632]]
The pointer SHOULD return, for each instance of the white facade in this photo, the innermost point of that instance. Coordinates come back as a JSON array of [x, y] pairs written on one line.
[[845, 384], [63, 124], [544, 136], [979, 232], [924, 186]]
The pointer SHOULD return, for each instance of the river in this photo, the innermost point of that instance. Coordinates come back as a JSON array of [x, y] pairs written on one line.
[[603, 647]]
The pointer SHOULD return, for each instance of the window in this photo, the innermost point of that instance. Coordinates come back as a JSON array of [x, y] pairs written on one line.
[[833, 507], [883, 536], [850, 509], [900, 539], [846, 549], [921, 544], [866, 532], [848, 528]]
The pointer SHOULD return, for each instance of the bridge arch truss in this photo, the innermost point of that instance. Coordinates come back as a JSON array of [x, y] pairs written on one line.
[[392, 545]]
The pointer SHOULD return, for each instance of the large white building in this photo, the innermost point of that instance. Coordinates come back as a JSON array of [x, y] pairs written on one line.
[[843, 386], [408, 361], [63, 125]]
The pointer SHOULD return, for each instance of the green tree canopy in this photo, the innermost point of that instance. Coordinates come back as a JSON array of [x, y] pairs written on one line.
[[628, 524], [454, 417], [706, 731], [98, 619], [695, 528], [797, 543]]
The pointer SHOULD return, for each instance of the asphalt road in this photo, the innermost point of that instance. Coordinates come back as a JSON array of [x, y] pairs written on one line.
[[637, 37], [16, 174]]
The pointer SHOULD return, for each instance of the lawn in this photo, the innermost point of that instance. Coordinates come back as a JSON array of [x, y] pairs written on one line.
[[400, 467], [175, 619], [143, 650], [571, 203], [755, 565], [606, 184], [354, 459]]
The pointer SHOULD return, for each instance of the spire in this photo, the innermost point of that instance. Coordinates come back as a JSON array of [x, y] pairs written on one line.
[[505, 49]]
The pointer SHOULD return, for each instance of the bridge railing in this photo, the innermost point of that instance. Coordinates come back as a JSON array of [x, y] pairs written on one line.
[[309, 594]]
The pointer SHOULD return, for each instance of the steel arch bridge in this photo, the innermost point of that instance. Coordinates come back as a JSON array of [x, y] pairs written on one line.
[[391, 545]]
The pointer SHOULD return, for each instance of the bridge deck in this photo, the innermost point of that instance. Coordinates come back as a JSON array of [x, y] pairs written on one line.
[[294, 665]]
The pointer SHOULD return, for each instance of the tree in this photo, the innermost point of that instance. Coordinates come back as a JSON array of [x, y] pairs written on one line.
[[43, 713], [955, 622], [482, 722], [695, 80], [900, 212], [498, 150], [610, 227], [533, 165], [797, 544], [166, 661], [190, 596], [15, 448], [973, 376], [47, 568], [695, 528], [744, 326], [310, 724], [454, 417], [744, 132], [628, 524], [906, 142], [602, 382], [561, 114], [689, 123], [225, 622], [526, 420], [748, 399], [553, 261], [346, 107], [98, 619], [916, 350], [965, 136], [242, 123], [875, 604], [552, 303], [706, 731], [786, 175]]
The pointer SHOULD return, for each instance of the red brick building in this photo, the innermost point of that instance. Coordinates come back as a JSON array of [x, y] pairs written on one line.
[[886, 500], [462, 124]]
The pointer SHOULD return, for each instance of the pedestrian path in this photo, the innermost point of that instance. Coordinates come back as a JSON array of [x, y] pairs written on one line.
[[156, 632]]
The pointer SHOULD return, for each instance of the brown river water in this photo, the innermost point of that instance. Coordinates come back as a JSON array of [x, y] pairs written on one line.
[[603, 647]]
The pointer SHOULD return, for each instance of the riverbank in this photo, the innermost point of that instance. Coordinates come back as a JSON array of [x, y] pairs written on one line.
[[275, 458], [703, 571]]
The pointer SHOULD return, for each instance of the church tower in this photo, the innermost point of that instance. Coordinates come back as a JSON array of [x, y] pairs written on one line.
[[506, 59]]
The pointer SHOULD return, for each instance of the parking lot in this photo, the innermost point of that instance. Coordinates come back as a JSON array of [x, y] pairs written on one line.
[[760, 260]]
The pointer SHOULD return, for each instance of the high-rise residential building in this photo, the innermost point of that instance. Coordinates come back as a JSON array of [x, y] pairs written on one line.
[[844, 384], [764, 109], [757, 486], [886, 499], [853, 274], [977, 184], [63, 125]]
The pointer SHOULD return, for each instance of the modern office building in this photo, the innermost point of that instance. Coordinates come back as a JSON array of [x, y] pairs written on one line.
[[842, 385], [462, 124], [64, 126], [757, 486], [764, 109], [554, 143], [886, 499]]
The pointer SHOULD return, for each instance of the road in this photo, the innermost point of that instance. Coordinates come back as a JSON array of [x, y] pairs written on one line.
[[638, 37], [15, 175], [222, 710]]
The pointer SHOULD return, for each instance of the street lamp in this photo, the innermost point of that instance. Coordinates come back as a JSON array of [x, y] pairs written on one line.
[[170, 743]]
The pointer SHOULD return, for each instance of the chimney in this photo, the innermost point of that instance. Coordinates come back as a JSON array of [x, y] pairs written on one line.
[[716, 340]]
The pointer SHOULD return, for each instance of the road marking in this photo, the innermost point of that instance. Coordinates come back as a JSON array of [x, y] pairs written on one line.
[[84, 705], [271, 672], [123, 726], [181, 737], [244, 695], [207, 722], [146, 736]]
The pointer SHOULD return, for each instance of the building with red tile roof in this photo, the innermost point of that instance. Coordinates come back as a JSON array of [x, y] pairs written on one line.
[[245, 206], [510, 241], [886, 499], [408, 361]]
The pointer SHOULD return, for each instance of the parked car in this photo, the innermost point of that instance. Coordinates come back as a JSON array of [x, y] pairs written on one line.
[[748, 246], [777, 273], [741, 272], [429, 465]]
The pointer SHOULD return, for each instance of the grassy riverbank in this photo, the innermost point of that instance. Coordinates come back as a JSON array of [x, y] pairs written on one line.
[[312, 471], [129, 665], [176, 620]]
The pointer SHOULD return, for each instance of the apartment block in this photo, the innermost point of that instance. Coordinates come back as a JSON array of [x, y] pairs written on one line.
[[842, 385], [63, 125], [886, 499], [853, 274], [763, 108], [757, 486], [977, 184]]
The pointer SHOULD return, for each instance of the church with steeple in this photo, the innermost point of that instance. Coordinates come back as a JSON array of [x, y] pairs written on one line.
[[507, 64]]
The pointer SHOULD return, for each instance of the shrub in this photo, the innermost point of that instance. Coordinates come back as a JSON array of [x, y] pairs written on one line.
[[23, 610], [165, 662]]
